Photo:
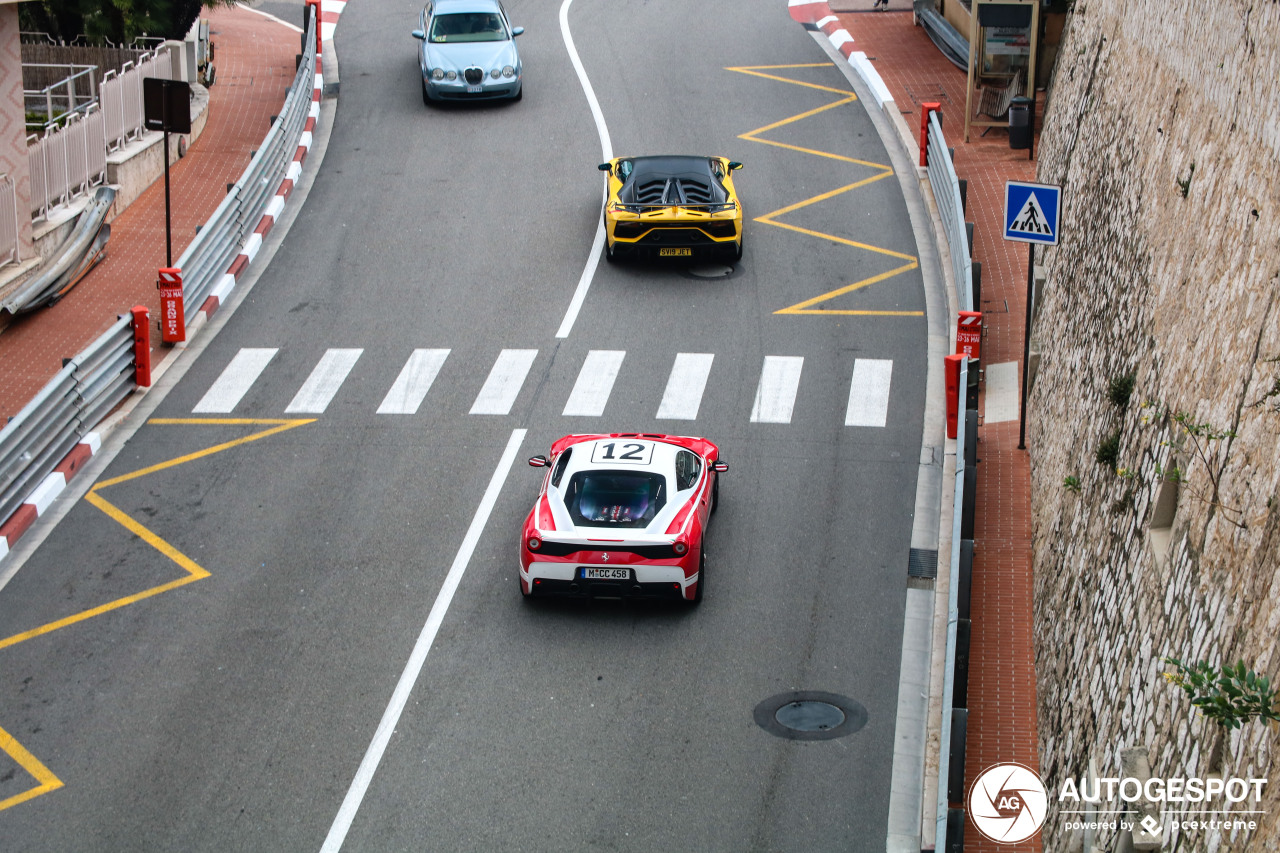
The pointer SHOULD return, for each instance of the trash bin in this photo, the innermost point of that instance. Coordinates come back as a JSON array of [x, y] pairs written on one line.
[[1020, 122]]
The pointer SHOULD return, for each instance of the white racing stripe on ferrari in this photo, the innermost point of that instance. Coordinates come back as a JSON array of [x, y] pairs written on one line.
[[776, 393], [418, 657], [505, 380], [606, 153], [869, 393], [688, 379], [317, 392], [235, 381], [595, 383], [414, 382]]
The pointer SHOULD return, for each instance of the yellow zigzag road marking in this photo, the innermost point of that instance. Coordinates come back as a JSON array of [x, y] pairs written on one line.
[[194, 572], [772, 218]]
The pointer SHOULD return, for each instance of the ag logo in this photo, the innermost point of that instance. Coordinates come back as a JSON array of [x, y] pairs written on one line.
[[1008, 802]]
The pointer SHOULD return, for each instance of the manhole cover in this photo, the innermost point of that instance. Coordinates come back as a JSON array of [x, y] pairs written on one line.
[[810, 715], [710, 270]]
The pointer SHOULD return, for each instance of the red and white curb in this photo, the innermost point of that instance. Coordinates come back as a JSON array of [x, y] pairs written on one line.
[[817, 16], [39, 500], [253, 244]]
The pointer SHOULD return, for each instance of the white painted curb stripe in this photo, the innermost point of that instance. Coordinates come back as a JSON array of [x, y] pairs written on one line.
[[236, 380], [50, 487], [252, 245], [326, 378], [274, 207], [418, 657], [872, 78]]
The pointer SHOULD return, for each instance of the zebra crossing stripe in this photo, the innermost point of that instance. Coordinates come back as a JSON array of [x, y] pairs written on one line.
[[688, 379], [869, 393], [316, 393], [505, 380], [235, 381], [776, 393], [413, 383], [595, 383]]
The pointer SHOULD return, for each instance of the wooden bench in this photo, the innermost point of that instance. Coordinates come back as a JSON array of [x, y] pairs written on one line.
[[995, 100]]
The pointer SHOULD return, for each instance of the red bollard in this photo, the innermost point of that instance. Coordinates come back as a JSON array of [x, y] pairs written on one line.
[[141, 346], [925, 109], [969, 334], [953, 392], [173, 322], [316, 3]]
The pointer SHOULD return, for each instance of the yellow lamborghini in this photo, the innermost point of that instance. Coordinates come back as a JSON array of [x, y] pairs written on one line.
[[672, 207]]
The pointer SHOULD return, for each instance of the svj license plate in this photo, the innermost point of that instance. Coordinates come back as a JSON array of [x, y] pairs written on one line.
[[675, 253], [598, 574]]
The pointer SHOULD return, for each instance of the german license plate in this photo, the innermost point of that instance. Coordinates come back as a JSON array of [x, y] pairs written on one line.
[[593, 573], [474, 90], [675, 253]]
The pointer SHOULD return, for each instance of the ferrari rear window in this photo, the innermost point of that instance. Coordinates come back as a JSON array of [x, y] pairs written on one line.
[[614, 498], [467, 26]]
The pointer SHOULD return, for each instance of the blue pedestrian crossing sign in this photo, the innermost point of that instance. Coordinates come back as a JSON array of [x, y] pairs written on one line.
[[1031, 212]]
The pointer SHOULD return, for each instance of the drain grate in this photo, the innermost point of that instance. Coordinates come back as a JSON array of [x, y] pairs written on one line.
[[922, 563]]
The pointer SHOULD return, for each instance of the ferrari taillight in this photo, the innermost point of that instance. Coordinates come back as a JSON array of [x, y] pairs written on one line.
[[679, 547], [534, 543]]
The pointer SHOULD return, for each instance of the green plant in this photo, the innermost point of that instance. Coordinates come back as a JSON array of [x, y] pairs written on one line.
[[1108, 451], [1230, 696], [1201, 441], [1172, 474], [1071, 484], [1120, 389]]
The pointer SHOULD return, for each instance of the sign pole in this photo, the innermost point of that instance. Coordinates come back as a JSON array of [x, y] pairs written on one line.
[[1026, 347], [168, 230]]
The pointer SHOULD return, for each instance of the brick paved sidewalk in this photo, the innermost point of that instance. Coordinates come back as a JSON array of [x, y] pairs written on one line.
[[255, 66], [1002, 687]]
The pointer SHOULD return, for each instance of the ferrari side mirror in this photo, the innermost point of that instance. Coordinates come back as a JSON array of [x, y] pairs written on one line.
[[717, 466], [734, 164], [537, 462], [604, 167]]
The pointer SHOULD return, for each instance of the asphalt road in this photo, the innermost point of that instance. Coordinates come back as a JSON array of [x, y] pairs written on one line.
[[267, 595]]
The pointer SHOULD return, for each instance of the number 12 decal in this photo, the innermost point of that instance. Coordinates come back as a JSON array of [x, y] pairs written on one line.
[[636, 452]]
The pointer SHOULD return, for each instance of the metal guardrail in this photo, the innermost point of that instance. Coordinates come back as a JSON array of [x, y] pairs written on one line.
[[946, 191], [93, 383], [207, 257]]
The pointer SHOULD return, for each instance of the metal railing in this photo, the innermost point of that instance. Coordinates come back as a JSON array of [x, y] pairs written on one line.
[[67, 162], [207, 257], [74, 93], [946, 191], [35, 441], [38, 437], [8, 221], [121, 95]]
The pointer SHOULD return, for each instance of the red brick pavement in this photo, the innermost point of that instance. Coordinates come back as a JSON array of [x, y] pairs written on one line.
[[1002, 695], [255, 66]]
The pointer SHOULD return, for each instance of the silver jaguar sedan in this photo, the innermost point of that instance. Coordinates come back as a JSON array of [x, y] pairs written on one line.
[[468, 52]]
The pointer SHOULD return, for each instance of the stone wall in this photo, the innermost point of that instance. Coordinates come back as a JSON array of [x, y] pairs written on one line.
[[1163, 127]]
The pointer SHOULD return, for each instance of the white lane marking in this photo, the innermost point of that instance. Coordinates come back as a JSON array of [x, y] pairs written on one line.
[[413, 383], [869, 393], [418, 657], [595, 382], [685, 385], [1003, 393], [236, 380], [330, 372], [606, 153], [776, 393], [503, 385]]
